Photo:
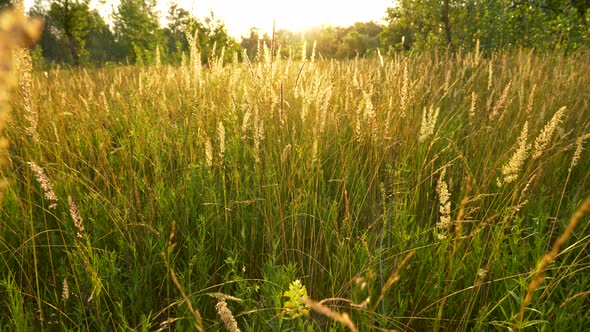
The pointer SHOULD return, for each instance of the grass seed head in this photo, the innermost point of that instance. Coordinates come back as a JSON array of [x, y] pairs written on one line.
[[547, 133], [75, 214], [45, 184], [512, 168], [226, 316], [429, 118], [444, 198]]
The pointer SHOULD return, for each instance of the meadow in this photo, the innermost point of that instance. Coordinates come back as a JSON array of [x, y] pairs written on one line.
[[419, 192]]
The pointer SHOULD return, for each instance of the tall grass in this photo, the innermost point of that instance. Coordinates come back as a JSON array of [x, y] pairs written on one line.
[[414, 193]]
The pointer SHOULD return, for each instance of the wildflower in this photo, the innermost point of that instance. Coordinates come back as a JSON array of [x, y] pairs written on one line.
[[295, 306]]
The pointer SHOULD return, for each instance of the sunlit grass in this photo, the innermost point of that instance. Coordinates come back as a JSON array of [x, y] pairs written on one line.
[[403, 193]]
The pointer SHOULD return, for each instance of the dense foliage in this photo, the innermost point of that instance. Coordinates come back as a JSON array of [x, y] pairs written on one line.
[[539, 24]]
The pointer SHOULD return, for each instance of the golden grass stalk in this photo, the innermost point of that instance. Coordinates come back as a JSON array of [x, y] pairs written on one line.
[[195, 313], [65, 292], [511, 169], [477, 55], [246, 121], [208, 152], [490, 74], [357, 125], [461, 213], [158, 60], [221, 137], [258, 134], [266, 56], [501, 101], [395, 276], [314, 151], [285, 153], [75, 214], [343, 318], [370, 115], [304, 51], [428, 124], [327, 95], [444, 198], [25, 67], [45, 184], [529, 107], [195, 57], [472, 108], [547, 133], [578, 151], [405, 91], [549, 257]]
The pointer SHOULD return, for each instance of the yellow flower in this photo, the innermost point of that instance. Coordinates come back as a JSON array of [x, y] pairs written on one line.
[[294, 306]]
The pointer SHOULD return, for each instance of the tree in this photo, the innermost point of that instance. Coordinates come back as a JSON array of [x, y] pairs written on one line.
[[100, 41], [179, 20], [214, 37], [539, 24], [73, 21], [250, 43], [137, 29], [4, 3]]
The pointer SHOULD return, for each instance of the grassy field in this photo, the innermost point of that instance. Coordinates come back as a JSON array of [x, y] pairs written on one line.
[[423, 192]]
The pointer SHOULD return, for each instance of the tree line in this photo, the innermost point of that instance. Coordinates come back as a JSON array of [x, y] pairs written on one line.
[[77, 35]]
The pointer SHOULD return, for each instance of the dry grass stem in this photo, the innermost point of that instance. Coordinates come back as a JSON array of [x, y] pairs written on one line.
[[195, 313], [393, 278], [343, 318], [529, 107], [549, 257], [501, 101]]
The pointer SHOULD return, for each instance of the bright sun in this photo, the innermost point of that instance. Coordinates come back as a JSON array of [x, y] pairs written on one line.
[[240, 15]]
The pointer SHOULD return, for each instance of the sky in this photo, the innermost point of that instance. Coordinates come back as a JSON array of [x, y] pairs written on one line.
[[296, 15]]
